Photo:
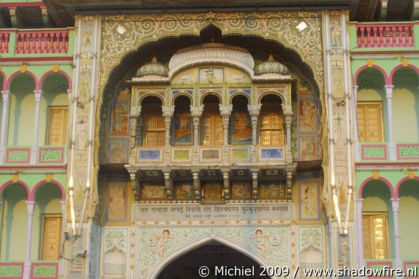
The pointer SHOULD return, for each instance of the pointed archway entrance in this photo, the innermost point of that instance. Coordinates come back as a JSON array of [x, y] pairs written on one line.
[[222, 262]]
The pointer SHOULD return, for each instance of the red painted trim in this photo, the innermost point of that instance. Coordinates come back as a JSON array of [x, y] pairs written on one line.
[[45, 181], [401, 66], [384, 52], [386, 79], [5, 184], [18, 149], [22, 4], [363, 146], [43, 264], [4, 80], [385, 180], [26, 72], [389, 164], [398, 152], [399, 184], [14, 264], [29, 59], [390, 264], [41, 80]]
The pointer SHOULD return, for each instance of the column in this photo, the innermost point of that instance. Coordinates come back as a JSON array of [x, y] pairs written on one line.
[[63, 223], [288, 122], [133, 134], [226, 184], [359, 233], [225, 114], [4, 121], [389, 95], [196, 185], [355, 121], [134, 185], [395, 209], [38, 97], [167, 114], [168, 185], [289, 185], [30, 205], [254, 111], [196, 113], [255, 184]]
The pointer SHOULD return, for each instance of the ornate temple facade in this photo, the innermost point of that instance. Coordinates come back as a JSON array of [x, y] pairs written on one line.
[[144, 139]]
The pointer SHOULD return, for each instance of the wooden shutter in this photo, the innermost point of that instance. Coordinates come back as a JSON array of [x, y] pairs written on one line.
[[375, 235], [370, 122], [51, 237], [212, 126], [155, 129], [271, 125], [57, 125]]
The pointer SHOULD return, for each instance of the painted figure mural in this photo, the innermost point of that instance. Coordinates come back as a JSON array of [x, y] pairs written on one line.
[[182, 130]]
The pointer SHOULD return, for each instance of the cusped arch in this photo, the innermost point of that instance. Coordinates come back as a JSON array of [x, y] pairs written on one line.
[[216, 94], [272, 92], [184, 95], [67, 76], [393, 71], [387, 80], [17, 73], [239, 93], [7, 183], [33, 192], [400, 183], [141, 99], [192, 246], [385, 180]]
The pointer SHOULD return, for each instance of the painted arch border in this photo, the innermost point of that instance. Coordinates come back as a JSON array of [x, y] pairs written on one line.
[[383, 179], [196, 244], [400, 183]]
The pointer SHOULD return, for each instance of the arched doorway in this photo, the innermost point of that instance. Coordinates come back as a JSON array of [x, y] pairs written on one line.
[[219, 258]]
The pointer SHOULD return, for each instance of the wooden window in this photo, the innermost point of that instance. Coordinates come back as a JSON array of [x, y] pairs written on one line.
[[153, 125], [51, 237], [57, 125], [271, 125], [370, 122], [212, 126], [375, 235]]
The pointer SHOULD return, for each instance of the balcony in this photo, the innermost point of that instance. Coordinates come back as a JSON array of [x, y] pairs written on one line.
[[383, 36], [36, 42]]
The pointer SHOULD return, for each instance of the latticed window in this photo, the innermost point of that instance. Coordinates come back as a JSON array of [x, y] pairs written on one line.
[[370, 122], [375, 232], [271, 122], [154, 129]]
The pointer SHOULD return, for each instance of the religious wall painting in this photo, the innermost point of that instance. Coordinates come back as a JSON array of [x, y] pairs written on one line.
[[211, 75], [117, 201], [182, 127], [271, 190], [307, 115], [118, 150], [212, 190], [235, 76], [241, 190], [309, 199], [184, 190], [308, 148], [241, 129], [120, 114], [114, 248], [153, 191]]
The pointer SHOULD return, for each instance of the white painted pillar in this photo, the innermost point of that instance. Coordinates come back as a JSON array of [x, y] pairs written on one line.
[[355, 121], [225, 114], [196, 113], [389, 95], [38, 97], [359, 233], [167, 115], [4, 121], [395, 209], [30, 205], [288, 122], [254, 111]]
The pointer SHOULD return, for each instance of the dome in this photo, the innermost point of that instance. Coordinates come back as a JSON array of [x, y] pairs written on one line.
[[153, 69], [271, 67]]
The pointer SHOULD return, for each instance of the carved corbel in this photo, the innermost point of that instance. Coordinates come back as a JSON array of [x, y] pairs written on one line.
[[255, 184], [196, 185], [168, 185], [226, 185]]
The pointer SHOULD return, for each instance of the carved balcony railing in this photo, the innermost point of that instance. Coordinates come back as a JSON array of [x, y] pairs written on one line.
[[36, 42], [46, 155], [383, 35], [38, 270], [380, 151]]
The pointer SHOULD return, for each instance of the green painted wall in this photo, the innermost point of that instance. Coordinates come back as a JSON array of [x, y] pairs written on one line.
[[13, 224], [408, 220], [405, 124]]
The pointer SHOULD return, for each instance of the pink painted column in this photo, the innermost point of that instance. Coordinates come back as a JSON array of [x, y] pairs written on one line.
[[395, 209], [4, 119], [30, 205], [361, 261], [389, 96], [34, 151]]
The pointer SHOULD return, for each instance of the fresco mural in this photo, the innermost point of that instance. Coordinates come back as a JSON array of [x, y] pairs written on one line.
[[182, 130], [117, 201], [153, 191], [241, 127], [241, 190], [271, 190], [184, 190], [309, 199]]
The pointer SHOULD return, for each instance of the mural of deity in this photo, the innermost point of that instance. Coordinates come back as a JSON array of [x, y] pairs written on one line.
[[184, 191], [309, 200], [117, 200], [153, 191], [120, 117], [308, 148], [182, 127], [307, 114], [271, 190], [241, 129], [118, 150], [241, 190]]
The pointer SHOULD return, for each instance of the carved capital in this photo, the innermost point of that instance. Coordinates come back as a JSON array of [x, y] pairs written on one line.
[[254, 110], [196, 112], [38, 95], [168, 112], [5, 95], [225, 111], [389, 91]]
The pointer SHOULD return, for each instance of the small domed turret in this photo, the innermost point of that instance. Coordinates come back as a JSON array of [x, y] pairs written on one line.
[[271, 67], [153, 69]]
